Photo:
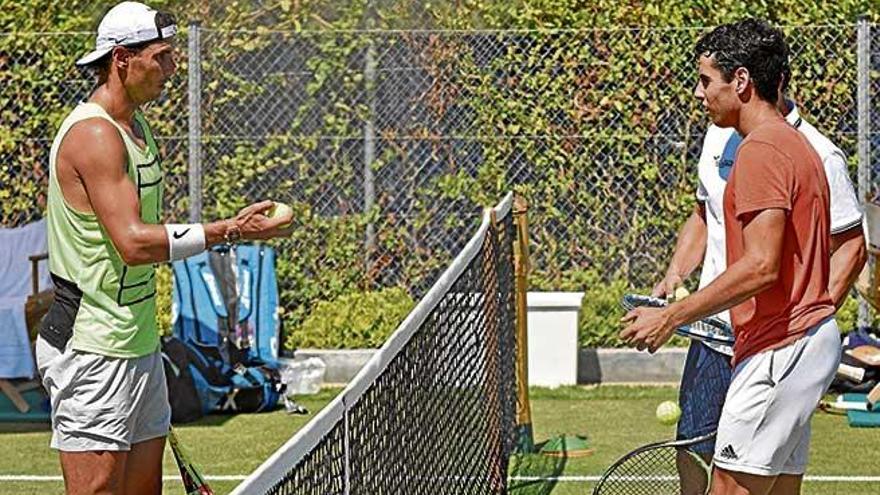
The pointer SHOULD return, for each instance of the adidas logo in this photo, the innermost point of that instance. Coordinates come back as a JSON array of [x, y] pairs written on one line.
[[728, 453]]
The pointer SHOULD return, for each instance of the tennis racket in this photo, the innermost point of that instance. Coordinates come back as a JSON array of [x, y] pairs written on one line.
[[193, 482], [713, 330], [654, 469]]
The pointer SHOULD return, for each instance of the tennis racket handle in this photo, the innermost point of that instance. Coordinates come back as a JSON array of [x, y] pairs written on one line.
[[853, 373]]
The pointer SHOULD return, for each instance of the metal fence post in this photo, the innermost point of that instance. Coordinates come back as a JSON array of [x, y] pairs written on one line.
[[864, 123], [370, 134], [194, 101], [370, 144]]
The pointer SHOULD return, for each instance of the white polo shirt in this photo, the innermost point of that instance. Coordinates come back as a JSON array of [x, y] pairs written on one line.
[[716, 161]]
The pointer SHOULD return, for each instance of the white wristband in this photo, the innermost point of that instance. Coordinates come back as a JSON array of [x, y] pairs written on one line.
[[184, 240]]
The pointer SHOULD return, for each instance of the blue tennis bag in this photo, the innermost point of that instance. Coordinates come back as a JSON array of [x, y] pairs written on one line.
[[228, 298], [199, 383], [224, 315]]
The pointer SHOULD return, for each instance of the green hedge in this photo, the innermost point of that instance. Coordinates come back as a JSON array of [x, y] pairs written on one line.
[[352, 321], [606, 194]]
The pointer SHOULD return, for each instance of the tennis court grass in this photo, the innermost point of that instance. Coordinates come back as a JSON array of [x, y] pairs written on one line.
[[618, 419], [615, 418]]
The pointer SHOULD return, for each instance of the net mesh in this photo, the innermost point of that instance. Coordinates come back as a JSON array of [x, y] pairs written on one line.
[[434, 411]]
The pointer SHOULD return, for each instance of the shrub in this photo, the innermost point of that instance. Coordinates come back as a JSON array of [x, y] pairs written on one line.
[[354, 320]]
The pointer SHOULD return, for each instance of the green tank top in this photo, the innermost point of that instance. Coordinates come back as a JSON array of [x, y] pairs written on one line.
[[117, 313]]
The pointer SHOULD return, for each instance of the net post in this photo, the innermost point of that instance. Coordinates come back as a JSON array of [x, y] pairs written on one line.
[[346, 450], [490, 283], [524, 440]]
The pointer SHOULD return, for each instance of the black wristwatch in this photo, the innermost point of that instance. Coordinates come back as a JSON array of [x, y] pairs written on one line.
[[233, 234]]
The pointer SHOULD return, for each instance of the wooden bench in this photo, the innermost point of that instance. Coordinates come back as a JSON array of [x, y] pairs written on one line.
[[35, 308]]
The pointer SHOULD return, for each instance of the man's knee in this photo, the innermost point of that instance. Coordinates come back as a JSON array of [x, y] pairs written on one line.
[[787, 484], [726, 482], [144, 473], [94, 472]]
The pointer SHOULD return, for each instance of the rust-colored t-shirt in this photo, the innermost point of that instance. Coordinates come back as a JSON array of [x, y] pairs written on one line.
[[776, 167]]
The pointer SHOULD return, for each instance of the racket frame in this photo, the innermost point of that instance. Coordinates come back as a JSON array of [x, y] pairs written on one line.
[[720, 331], [679, 445]]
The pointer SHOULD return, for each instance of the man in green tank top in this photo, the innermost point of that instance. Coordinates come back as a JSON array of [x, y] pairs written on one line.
[[98, 348]]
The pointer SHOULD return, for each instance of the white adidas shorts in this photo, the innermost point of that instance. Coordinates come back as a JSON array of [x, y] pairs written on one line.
[[103, 403], [765, 424]]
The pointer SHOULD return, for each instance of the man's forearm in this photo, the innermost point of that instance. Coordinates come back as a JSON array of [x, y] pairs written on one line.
[[215, 232], [149, 243], [757, 270], [847, 261], [739, 282], [690, 246]]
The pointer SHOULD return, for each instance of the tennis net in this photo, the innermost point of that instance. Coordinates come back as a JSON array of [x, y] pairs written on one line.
[[434, 410]]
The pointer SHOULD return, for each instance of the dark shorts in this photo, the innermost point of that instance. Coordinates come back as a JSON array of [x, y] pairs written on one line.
[[704, 385]]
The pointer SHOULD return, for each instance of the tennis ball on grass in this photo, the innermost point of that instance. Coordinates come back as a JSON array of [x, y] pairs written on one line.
[[680, 293], [279, 210], [668, 412]]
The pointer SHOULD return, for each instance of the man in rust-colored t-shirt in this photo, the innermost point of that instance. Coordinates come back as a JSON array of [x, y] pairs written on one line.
[[776, 213], [777, 168]]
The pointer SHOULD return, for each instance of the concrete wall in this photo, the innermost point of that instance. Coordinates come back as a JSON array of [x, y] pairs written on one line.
[[593, 365], [630, 366]]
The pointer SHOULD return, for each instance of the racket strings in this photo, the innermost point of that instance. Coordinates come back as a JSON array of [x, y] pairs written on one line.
[[650, 472]]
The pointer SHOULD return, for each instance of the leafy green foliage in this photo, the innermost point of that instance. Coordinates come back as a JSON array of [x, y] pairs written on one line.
[[354, 320], [164, 283], [600, 314], [310, 272], [848, 315], [595, 126]]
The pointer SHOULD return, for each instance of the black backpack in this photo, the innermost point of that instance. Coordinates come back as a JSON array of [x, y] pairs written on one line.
[[853, 339], [201, 382], [182, 395]]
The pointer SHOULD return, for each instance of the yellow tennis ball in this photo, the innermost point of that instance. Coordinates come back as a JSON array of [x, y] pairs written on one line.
[[279, 210], [681, 293], [668, 412]]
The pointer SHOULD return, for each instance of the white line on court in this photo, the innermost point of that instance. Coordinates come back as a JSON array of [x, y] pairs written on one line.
[[27, 477], [563, 479], [814, 479]]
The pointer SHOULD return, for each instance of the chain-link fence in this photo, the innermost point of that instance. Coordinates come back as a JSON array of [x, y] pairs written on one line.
[[39, 85], [387, 143]]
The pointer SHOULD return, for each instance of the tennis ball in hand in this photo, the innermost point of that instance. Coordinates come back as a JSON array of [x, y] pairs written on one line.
[[680, 293], [279, 210], [668, 412]]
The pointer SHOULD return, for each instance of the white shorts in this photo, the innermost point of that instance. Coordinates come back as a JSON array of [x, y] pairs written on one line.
[[103, 403], [765, 424]]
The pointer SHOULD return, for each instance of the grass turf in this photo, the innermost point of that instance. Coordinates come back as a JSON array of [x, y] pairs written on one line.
[[618, 419], [615, 418]]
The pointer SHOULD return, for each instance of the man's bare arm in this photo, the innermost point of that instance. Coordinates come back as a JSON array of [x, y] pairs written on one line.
[[96, 151], [689, 251], [847, 260], [756, 271]]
